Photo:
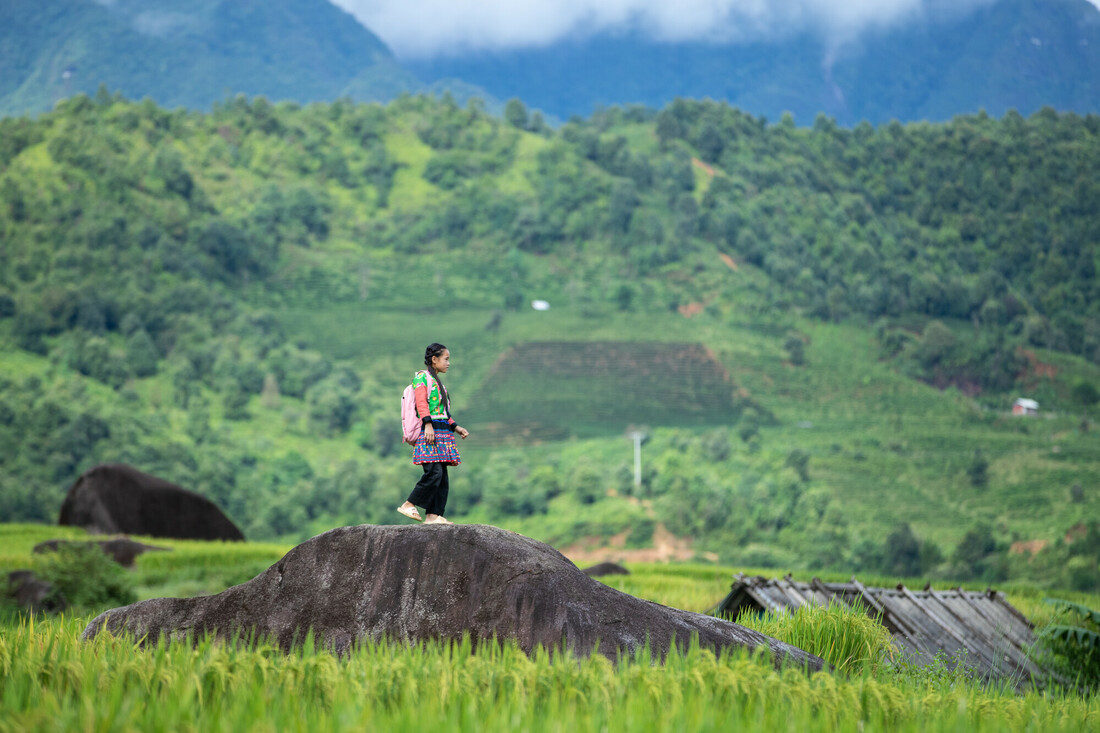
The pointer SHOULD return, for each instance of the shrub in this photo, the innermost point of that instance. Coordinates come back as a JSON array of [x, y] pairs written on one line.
[[796, 350], [799, 460], [1085, 393], [88, 578], [978, 470], [1071, 644], [641, 532]]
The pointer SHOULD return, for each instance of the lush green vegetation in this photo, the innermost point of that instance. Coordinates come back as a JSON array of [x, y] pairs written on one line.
[[1072, 643], [233, 301]]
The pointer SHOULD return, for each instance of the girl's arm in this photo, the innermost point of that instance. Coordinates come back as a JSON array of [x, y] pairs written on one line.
[[421, 395]]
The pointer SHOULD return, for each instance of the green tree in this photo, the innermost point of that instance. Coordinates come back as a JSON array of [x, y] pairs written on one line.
[[95, 358], [799, 460], [228, 245], [709, 143], [310, 210], [976, 555], [668, 127], [978, 470], [169, 169], [30, 327], [936, 344], [1085, 394], [141, 353], [796, 350], [332, 404], [515, 114], [235, 401], [901, 552], [386, 434], [624, 297], [620, 210]]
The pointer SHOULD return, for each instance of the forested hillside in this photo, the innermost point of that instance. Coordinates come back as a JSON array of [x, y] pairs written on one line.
[[234, 300]]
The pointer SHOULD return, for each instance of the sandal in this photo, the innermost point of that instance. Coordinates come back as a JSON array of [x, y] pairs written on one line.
[[410, 512], [439, 520]]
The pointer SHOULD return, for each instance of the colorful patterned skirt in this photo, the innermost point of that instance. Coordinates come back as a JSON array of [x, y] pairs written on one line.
[[443, 451]]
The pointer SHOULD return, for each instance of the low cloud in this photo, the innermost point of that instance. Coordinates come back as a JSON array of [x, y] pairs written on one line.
[[426, 28]]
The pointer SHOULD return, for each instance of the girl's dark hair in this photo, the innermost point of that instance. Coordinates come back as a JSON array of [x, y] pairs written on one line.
[[434, 350]]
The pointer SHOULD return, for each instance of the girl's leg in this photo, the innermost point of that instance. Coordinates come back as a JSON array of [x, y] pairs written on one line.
[[439, 499], [423, 494]]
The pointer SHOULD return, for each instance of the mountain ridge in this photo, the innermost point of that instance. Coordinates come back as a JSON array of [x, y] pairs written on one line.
[[302, 50], [1014, 54], [933, 70]]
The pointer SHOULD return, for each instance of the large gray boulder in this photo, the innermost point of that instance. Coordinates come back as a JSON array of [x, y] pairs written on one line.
[[119, 499], [419, 582]]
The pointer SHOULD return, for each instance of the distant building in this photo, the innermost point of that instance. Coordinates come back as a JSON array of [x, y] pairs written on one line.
[[1024, 406]]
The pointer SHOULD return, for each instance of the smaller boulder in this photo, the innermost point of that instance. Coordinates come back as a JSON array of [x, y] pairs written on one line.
[[606, 568], [30, 592], [122, 550]]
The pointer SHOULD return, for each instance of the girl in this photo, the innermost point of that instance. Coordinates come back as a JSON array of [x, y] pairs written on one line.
[[435, 450]]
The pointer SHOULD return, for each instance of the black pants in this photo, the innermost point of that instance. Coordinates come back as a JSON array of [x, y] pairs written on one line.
[[431, 490]]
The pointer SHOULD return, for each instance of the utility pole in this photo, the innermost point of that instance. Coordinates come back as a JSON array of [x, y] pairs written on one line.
[[638, 437]]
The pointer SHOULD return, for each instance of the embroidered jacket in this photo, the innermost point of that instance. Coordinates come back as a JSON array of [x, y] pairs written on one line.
[[429, 400]]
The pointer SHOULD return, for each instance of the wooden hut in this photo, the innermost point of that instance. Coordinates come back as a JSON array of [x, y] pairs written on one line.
[[979, 629]]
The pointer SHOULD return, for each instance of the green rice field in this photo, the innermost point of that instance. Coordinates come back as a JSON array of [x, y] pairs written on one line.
[[52, 681]]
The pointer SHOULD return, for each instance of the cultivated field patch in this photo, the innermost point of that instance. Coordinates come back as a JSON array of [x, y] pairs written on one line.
[[548, 390]]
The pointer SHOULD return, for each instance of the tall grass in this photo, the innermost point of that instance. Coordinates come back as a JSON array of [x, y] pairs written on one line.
[[49, 680], [845, 637]]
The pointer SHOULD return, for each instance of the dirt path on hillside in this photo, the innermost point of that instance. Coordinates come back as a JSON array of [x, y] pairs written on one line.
[[703, 167], [667, 547]]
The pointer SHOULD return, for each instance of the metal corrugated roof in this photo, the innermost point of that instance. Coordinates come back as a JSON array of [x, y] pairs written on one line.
[[979, 628]]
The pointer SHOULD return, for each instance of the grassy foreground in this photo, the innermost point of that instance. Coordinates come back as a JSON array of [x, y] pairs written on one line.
[[52, 681], [49, 680]]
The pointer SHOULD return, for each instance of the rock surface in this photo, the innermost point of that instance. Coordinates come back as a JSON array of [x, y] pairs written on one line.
[[122, 550], [416, 583], [119, 499]]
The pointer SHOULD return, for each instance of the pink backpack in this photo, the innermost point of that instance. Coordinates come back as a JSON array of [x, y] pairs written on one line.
[[411, 425]]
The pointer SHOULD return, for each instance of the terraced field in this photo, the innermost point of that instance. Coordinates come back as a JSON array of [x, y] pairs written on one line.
[[556, 389]]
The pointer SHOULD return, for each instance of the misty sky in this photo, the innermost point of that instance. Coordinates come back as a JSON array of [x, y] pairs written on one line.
[[424, 28]]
